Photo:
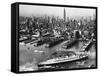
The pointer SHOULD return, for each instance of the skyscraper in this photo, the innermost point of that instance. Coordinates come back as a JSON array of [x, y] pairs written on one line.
[[64, 14]]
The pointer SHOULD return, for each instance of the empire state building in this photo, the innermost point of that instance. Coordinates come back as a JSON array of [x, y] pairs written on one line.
[[64, 15]]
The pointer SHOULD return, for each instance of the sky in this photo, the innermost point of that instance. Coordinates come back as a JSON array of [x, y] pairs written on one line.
[[29, 10]]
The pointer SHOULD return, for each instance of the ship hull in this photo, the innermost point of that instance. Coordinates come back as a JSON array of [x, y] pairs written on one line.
[[53, 64]]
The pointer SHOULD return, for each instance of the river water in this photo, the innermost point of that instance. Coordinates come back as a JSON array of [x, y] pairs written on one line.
[[30, 56]]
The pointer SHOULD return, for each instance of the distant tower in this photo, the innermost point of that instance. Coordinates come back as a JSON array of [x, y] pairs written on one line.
[[94, 16], [64, 14]]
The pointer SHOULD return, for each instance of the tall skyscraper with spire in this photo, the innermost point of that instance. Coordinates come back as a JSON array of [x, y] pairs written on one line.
[[64, 14]]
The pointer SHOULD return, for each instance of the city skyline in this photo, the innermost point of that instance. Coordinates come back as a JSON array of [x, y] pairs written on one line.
[[55, 11]]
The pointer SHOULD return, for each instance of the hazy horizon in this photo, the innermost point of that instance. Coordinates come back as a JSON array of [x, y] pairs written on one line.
[[36, 10]]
